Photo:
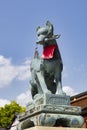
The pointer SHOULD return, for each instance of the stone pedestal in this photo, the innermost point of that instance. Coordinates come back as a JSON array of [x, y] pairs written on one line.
[[51, 110], [54, 128]]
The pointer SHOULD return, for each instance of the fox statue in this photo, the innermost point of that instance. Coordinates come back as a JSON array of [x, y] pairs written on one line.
[[46, 71]]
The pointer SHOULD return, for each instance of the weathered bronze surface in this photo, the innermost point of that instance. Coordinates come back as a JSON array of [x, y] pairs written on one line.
[[46, 71]]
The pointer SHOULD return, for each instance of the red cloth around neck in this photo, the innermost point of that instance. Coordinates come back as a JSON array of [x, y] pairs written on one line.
[[48, 51]]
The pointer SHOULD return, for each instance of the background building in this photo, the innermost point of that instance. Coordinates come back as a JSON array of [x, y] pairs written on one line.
[[81, 100]]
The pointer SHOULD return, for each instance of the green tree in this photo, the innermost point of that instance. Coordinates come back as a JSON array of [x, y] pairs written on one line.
[[7, 113]]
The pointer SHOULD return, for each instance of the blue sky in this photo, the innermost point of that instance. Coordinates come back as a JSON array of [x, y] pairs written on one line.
[[18, 22]]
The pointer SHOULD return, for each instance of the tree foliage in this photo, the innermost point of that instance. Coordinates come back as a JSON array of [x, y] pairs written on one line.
[[8, 112]]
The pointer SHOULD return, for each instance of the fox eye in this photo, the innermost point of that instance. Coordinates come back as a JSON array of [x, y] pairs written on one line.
[[45, 32]]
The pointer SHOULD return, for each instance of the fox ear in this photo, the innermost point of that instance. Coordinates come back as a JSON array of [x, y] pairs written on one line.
[[38, 28], [49, 25]]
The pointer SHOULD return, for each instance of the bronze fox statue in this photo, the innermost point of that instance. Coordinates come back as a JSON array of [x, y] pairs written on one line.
[[46, 71]]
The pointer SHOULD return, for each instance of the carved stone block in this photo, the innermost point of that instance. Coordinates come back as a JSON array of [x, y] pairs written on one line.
[[51, 110]]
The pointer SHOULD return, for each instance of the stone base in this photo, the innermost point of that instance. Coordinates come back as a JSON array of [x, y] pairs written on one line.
[[51, 119], [54, 128], [51, 110], [48, 99]]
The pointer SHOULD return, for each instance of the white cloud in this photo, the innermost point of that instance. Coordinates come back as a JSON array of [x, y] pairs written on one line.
[[3, 102], [23, 72], [69, 91], [24, 98], [21, 99], [9, 72], [4, 61]]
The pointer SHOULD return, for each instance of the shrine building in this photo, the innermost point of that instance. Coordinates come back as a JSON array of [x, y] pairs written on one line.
[[81, 100]]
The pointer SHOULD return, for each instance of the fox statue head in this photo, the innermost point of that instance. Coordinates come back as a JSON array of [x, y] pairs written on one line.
[[44, 33]]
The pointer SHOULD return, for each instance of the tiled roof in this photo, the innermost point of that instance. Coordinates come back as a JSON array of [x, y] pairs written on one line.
[[79, 95]]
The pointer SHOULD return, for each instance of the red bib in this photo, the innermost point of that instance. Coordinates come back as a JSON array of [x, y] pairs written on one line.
[[48, 51]]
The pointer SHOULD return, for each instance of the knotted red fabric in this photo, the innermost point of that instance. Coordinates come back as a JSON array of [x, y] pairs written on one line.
[[48, 51]]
